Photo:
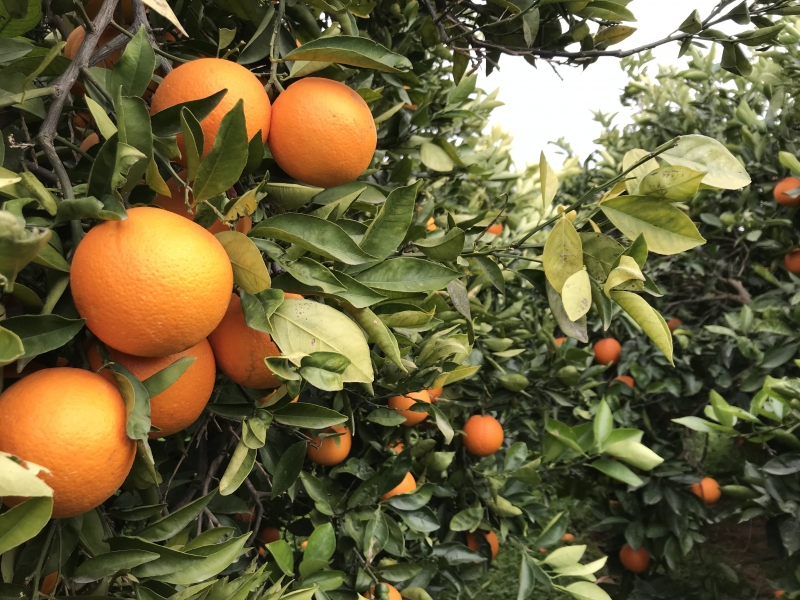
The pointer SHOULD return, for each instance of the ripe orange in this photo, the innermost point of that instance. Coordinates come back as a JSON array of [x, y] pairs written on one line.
[[402, 402], [607, 351], [245, 517], [291, 296], [435, 393], [76, 38], [491, 539], [303, 545], [780, 192], [430, 225], [707, 489], [393, 593], [92, 7], [206, 76], [496, 229], [626, 379], [151, 285], [559, 341], [240, 351], [72, 422], [409, 484], [396, 447], [49, 584], [175, 203], [674, 323], [635, 561], [483, 435], [268, 535], [779, 593], [322, 132], [792, 261], [180, 404], [331, 450], [568, 538], [91, 140]]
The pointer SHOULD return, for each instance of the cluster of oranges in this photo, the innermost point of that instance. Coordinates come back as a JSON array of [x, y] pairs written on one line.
[[787, 193]]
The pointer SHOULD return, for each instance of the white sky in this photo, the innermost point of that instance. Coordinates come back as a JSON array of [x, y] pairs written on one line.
[[540, 107]]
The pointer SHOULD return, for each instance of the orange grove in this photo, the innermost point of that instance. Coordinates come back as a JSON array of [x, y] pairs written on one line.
[[206, 76], [491, 539], [483, 435], [780, 192], [636, 561], [322, 132], [180, 404], [707, 489], [330, 450], [72, 422], [401, 403], [409, 484], [175, 203], [151, 285], [607, 351], [240, 351]]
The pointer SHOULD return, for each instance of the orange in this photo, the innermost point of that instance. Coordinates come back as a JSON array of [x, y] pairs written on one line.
[[635, 561], [245, 517], [71, 422], [435, 393], [496, 229], [779, 593], [268, 535], [400, 403], [291, 296], [151, 285], [92, 7], [483, 435], [707, 489], [607, 351], [393, 593], [206, 76], [180, 404], [409, 484], [240, 351], [674, 323], [49, 584], [303, 545], [780, 192], [175, 203], [331, 450], [568, 538], [74, 41], [268, 398], [626, 379], [559, 341], [396, 447], [91, 140], [430, 225], [491, 539], [792, 261], [322, 132]]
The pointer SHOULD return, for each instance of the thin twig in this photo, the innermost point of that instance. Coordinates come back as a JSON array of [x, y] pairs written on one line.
[[42, 555], [273, 48]]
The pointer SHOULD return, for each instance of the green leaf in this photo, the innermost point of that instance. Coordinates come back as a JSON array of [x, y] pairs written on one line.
[[576, 295], [603, 423], [170, 560], [608, 10], [259, 308], [239, 468], [571, 329], [24, 521], [583, 590], [175, 522], [193, 142], [43, 333], [616, 470], [443, 248], [134, 70], [706, 154], [218, 558], [305, 327], [223, 166], [105, 565], [695, 424], [104, 123], [167, 122], [435, 158], [18, 246], [51, 258], [635, 453], [249, 270], [291, 196], [648, 319], [160, 381], [11, 347], [563, 254], [16, 26], [789, 161], [282, 553], [627, 270], [137, 401], [666, 229], [406, 274], [549, 181], [350, 50], [692, 24], [674, 184], [288, 468], [468, 519], [565, 556], [316, 235], [563, 434], [75, 209], [388, 230], [377, 332], [308, 416]]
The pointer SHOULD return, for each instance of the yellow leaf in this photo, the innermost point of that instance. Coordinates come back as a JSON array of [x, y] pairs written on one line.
[[576, 295], [627, 269], [563, 254]]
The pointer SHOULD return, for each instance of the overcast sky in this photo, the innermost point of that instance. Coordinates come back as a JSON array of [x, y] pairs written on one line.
[[540, 107]]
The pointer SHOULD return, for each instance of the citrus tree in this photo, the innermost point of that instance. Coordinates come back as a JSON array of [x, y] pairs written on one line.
[[236, 236]]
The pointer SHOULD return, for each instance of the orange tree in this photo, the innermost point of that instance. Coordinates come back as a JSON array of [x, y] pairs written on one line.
[[353, 303]]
